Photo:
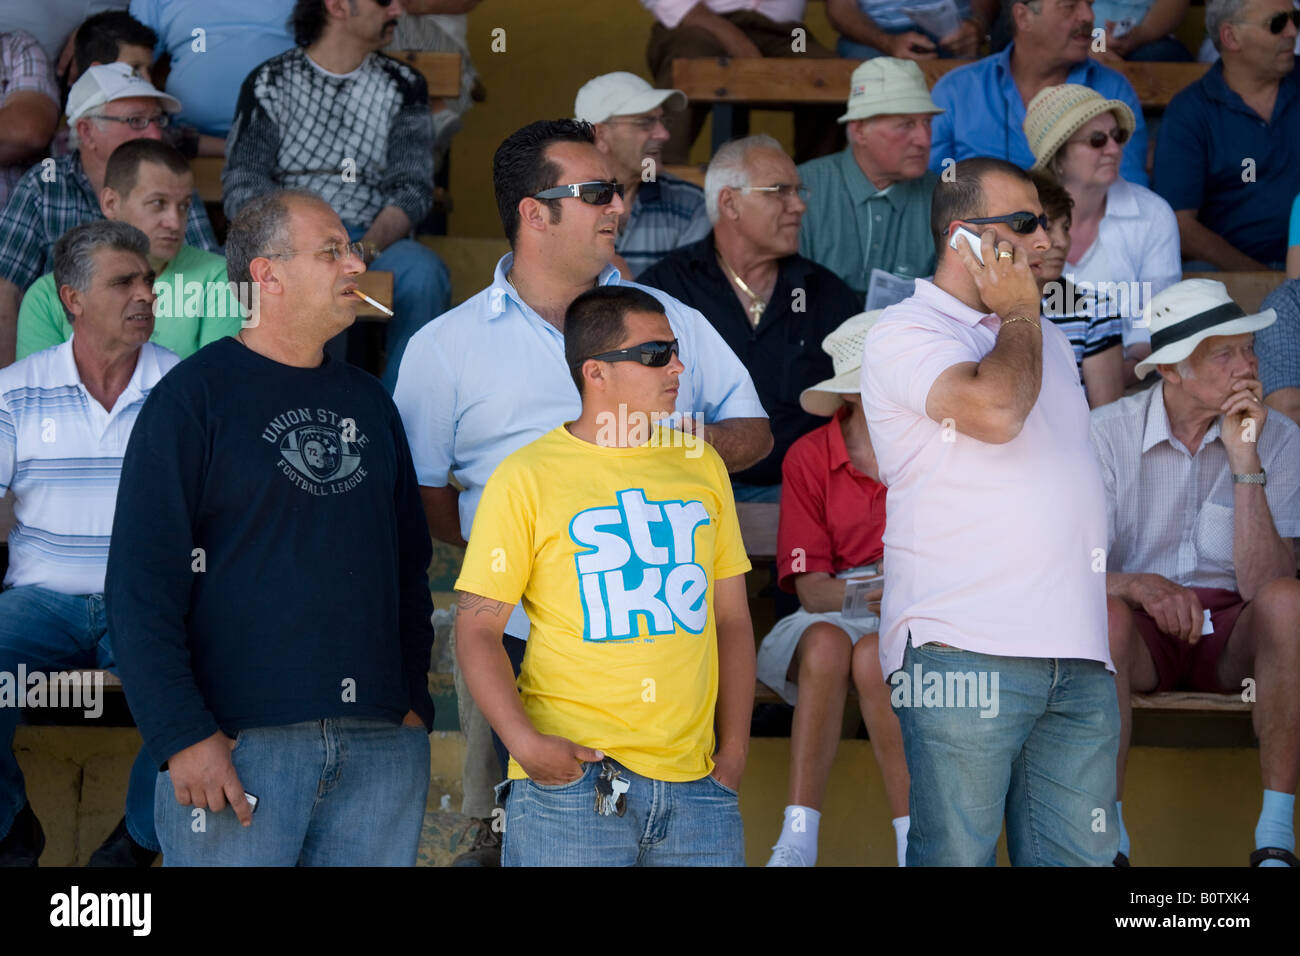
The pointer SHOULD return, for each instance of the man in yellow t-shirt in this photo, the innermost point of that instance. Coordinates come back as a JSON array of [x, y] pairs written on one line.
[[622, 541]]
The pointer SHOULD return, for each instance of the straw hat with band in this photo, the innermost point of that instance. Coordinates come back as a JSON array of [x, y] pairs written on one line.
[[1058, 112], [1187, 313], [885, 86], [844, 346]]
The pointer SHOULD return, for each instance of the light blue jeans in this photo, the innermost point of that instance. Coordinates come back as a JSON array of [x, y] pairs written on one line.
[[696, 823], [421, 293], [1047, 758], [337, 792], [47, 631]]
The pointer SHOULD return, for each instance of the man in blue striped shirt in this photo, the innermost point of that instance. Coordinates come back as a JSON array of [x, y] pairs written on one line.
[[663, 212], [65, 416]]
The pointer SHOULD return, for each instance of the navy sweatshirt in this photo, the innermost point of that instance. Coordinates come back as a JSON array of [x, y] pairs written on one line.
[[269, 553]]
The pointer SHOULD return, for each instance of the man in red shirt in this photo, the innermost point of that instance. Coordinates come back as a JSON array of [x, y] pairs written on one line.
[[832, 522]]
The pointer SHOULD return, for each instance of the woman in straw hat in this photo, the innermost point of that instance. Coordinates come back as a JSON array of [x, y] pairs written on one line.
[[832, 524], [1121, 234]]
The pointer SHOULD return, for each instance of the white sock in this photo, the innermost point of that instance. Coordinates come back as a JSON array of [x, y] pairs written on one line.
[[901, 825], [799, 830]]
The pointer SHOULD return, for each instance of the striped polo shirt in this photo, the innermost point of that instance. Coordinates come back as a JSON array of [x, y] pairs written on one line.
[[60, 457], [666, 214]]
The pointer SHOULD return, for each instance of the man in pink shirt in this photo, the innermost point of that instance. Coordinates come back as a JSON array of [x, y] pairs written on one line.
[[993, 624]]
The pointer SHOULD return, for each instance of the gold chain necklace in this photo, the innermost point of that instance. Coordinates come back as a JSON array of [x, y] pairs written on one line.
[[756, 306]]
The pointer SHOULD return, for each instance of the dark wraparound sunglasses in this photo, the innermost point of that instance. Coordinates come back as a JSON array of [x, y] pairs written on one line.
[[1097, 138], [594, 193], [1277, 22], [653, 354], [1024, 223]]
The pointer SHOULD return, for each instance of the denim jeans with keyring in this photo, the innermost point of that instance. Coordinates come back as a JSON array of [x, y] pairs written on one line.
[[345, 791], [695, 823], [1045, 757], [47, 630]]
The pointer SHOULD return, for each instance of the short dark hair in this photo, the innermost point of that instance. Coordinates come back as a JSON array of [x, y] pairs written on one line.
[[520, 167], [595, 322], [260, 228], [962, 195], [307, 21], [1055, 198], [100, 38], [123, 167]]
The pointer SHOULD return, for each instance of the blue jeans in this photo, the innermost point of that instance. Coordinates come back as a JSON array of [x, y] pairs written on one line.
[[696, 823], [745, 492], [339, 792], [1045, 754], [421, 293], [1164, 50], [852, 50], [47, 630]]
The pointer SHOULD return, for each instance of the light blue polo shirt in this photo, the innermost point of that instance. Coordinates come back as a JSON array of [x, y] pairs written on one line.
[[488, 377], [985, 116]]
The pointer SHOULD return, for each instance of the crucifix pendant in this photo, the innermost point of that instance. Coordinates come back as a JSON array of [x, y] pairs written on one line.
[[756, 312]]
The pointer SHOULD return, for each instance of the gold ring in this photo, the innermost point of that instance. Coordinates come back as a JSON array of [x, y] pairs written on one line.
[[1003, 254]]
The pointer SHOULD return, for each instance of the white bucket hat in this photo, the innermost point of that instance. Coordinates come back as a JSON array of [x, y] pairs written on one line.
[[885, 86], [107, 82], [844, 346], [622, 94], [1187, 313]]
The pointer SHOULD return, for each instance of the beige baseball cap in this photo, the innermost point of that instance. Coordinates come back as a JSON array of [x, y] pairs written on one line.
[[107, 82], [622, 94], [886, 86]]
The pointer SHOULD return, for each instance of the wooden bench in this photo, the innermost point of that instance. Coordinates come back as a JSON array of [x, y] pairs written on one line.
[[379, 286], [441, 72], [1248, 289], [732, 85]]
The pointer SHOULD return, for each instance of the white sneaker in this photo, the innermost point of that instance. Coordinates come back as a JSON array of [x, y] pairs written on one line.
[[784, 855]]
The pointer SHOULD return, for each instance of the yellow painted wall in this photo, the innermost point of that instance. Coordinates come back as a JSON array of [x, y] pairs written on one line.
[[1183, 807], [552, 48]]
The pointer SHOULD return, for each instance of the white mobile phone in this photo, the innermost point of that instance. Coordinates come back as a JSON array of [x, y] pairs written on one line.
[[972, 240], [252, 801]]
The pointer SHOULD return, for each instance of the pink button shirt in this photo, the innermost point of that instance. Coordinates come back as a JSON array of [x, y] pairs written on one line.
[[671, 12], [996, 549]]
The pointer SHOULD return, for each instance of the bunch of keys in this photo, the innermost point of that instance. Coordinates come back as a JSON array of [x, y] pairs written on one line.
[[611, 786]]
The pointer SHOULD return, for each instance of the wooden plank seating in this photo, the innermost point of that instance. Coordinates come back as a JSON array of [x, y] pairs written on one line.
[[689, 172], [1248, 289], [732, 83], [441, 72]]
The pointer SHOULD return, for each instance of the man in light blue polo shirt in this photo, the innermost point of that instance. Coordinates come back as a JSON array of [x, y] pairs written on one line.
[[65, 416], [489, 376], [984, 103]]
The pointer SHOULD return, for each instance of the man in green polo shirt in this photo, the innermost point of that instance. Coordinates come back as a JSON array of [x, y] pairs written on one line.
[[869, 206], [149, 185]]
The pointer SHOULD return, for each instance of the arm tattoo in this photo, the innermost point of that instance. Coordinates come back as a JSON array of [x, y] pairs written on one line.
[[476, 604]]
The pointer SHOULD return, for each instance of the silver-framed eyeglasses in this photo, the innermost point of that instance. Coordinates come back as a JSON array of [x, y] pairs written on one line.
[[783, 190], [336, 250], [138, 122]]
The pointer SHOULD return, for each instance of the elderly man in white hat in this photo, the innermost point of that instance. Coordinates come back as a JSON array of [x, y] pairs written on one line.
[[870, 204], [831, 529], [1203, 489], [107, 106], [661, 212]]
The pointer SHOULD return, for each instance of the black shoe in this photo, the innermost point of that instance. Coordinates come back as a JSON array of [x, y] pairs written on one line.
[[25, 842], [486, 848], [1120, 860], [120, 851]]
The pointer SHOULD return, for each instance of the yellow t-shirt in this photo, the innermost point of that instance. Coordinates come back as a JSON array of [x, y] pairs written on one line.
[[614, 552]]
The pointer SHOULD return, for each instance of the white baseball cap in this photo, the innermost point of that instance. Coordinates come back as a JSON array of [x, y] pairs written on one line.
[[107, 82], [622, 94]]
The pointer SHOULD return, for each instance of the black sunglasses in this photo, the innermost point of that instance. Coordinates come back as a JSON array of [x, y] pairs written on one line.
[[1024, 223], [595, 193], [1097, 138], [653, 354], [1277, 22]]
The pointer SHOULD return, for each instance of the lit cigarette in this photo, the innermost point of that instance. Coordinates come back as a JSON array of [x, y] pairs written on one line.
[[378, 305]]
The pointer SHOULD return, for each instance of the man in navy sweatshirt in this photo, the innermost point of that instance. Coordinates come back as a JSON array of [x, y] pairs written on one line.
[[266, 590]]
